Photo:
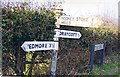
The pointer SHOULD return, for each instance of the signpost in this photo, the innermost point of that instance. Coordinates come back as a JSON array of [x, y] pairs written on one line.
[[57, 11], [39, 45], [97, 47], [67, 34], [53, 45]]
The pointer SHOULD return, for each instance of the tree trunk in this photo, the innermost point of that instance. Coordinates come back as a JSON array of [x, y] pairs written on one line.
[[23, 60], [31, 66], [20, 61]]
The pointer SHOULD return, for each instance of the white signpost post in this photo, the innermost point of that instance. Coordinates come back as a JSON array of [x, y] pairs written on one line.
[[39, 45], [67, 34], [54, 63]]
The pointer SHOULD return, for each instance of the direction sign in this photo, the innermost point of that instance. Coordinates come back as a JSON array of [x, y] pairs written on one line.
[[99, 47], [67, 34], [80, 21], [39, 45]]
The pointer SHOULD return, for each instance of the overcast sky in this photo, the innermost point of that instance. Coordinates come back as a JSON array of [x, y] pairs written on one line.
[[92, 7], [104, 8]]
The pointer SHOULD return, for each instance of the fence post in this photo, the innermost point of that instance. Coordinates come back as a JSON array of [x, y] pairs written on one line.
[[102, 56], [92, 58]]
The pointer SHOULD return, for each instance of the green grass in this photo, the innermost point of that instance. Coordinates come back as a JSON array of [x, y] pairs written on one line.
[[105, 69], [110, 68]]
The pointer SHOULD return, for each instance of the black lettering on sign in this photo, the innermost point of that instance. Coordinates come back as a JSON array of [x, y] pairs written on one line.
[[45, 45], [61, 33], [29, 45], [71, 34], [53, 45], [67, 33], [77, 19], [66, 18], [42, 45], [75, 34], [50, 45], [32, 46], [36, 46]]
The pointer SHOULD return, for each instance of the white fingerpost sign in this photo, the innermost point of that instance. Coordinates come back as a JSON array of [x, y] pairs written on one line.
[[67, 34], [39, 45], [99, 47], [80, 21]]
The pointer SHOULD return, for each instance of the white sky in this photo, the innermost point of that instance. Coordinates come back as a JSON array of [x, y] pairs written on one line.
[[104, 8], [91, 7]]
